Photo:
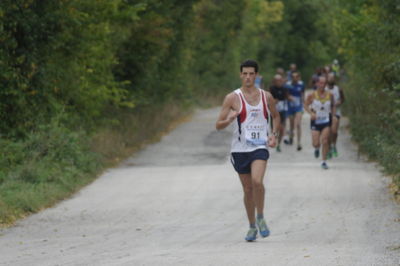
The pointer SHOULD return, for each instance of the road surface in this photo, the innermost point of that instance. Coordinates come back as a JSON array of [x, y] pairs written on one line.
[[179, 202]]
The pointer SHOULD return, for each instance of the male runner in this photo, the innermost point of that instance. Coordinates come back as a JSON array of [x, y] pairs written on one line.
[[280, 94], [259, 81], [320, 104], [339, 99], [295, 107], [250, 108], [292, 68]]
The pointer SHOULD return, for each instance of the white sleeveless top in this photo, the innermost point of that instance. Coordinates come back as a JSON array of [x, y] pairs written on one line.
[[336, 96], [322, 107], [251, 126]]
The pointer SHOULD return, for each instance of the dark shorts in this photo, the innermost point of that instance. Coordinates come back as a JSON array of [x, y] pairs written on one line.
[[241, 161], [283, 115], [319, 127]]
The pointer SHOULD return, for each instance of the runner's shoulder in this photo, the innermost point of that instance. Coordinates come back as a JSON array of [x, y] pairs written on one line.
[[230, 98]]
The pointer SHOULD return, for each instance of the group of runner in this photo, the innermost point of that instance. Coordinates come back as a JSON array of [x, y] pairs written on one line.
[[323, 105], [251, 109]]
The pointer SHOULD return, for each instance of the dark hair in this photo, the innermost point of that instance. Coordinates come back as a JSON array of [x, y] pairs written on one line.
[[249, 63]]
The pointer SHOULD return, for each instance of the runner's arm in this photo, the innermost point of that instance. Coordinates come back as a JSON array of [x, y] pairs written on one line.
[[276, 118], [333, 105], [307, 104], [274, 113], [341, 97], [227, 114]]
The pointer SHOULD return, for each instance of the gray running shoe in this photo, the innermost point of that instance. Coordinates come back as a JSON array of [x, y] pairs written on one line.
[[262, 226], [251, 235]]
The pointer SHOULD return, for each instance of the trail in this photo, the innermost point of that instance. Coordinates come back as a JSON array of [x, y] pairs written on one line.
[[179, 202]]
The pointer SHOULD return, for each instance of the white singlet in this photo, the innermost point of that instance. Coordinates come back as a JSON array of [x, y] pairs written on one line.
[[322, 107], [336, 96], [251, 126]]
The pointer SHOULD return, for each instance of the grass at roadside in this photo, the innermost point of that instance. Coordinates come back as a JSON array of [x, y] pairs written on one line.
[[374, 126], [54, 162]]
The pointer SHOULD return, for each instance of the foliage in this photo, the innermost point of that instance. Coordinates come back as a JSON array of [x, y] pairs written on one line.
[[369, 41], [72, 70]]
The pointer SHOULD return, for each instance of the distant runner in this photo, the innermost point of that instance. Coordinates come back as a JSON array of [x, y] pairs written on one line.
[[320, 104], [280, 94], [292, 68], [259, 82], [339, 99], [250, 108], [295, 107]]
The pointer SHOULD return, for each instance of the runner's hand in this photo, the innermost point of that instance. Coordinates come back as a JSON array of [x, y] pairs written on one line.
[[272, 141], [313, 116]]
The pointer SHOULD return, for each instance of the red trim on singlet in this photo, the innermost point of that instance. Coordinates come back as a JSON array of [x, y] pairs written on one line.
[[264, 105], [243, 112]]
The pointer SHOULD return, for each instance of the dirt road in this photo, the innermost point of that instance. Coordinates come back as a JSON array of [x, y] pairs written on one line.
[[179, 202]]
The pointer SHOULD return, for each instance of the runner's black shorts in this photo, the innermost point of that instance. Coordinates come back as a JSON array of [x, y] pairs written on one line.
[[241, 161], [319, 127], [283, 116]]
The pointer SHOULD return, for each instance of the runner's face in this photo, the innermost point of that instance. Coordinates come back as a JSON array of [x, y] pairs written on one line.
[[248, 76], [278, 82], [296, 78], [321, 83]]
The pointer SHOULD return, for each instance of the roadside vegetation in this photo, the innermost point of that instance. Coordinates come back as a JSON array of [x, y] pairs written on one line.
[[83, 84]]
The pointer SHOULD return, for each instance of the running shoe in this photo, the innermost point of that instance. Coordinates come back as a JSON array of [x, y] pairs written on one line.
[[288, 141], [278, 148], [329, 154], [316, 153], [334, 152], [299, 148], [262, 226], [251, 234], [324, 165]]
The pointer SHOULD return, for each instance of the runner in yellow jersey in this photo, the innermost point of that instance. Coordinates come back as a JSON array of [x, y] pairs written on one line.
[[320, 104]]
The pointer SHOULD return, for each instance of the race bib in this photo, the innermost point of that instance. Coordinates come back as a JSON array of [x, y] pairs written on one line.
[[281, 106], [256, 135], [322, 117]]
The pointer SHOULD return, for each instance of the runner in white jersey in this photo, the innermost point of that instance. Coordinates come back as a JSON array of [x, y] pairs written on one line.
[[250, 109], [338, 95], [320, 104]]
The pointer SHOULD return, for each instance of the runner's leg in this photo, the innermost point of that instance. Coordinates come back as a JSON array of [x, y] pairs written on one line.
[[281, 128], [315, 134], [325, 142], [291, 128], [247, 185], [257, 173], [257, 176], [298, 117], [334, 129]]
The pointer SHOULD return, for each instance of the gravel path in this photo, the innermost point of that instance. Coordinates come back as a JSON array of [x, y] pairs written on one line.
[[179, 202]]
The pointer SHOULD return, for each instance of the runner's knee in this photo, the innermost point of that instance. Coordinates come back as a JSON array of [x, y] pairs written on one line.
[[258, 184], [248, 190]]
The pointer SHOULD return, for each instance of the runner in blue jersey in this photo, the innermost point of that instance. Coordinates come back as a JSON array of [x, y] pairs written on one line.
[[292, 68], [259, 81], [295, 107]]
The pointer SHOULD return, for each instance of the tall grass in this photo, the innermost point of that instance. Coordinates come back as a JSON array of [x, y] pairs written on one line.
[[374, 125], [53, 162]]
